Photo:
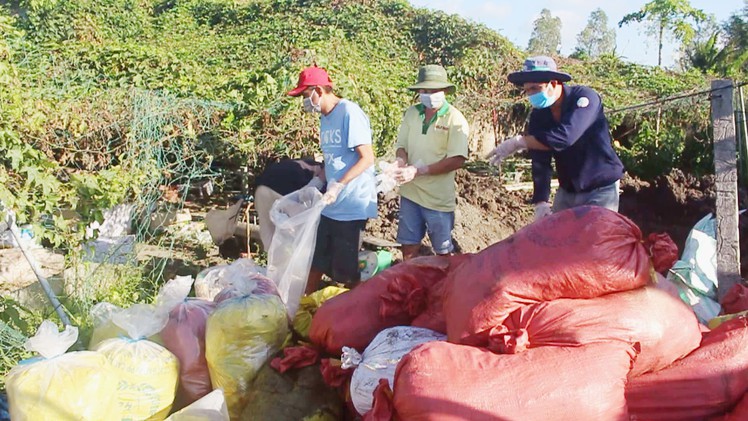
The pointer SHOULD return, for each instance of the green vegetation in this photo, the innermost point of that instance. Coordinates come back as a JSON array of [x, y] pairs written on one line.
[[103, 101]]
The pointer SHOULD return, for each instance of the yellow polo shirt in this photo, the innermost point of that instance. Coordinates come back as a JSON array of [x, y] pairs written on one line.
[[427, 142]]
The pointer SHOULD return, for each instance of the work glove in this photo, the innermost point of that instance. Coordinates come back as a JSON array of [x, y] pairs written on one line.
[[333, 190], [542, 209], [386, 176], [316, 182], [506, 148]]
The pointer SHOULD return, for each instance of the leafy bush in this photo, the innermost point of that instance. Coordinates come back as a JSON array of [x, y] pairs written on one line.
[[70, 68]]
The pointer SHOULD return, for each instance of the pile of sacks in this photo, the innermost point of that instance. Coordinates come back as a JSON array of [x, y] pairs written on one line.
[[562, 320], [198, 355]]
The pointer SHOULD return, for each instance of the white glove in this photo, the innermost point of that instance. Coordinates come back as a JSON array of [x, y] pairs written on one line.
[[406, 174], [542, 209], [316, 182], [386, 178], [506, 148], [333, 190]]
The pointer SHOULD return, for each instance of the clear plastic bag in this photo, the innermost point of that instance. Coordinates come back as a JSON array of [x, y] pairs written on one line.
[[111, 321], [209, 282], [211, 407], [296, 217], [386, 177], [60, 386]]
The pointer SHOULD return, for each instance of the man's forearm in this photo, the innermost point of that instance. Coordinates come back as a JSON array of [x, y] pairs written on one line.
[[400, 153], [366, 160], [533, 143], [445, 165]]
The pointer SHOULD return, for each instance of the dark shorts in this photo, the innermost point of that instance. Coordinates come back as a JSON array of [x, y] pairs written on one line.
[[336, 251]]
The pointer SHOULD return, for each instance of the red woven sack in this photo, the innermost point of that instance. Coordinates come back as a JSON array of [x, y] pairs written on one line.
[[392, 298], [736, 299], [583, 252], [664, 327], [706, 383], [441, 381], [739, 413]]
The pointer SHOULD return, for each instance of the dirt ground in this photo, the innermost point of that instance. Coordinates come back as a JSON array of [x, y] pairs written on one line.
[[487, 212]]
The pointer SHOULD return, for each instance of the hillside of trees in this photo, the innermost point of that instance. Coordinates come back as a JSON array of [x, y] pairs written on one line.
[[88, 89]]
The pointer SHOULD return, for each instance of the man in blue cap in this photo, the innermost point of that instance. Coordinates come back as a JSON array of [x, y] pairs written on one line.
[[567, 124]]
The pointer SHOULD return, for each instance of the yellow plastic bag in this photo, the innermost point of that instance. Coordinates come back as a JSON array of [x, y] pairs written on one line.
[[58, 386], [147, 372], [721, 319], [309, 305], [147, 376], [240, 335]]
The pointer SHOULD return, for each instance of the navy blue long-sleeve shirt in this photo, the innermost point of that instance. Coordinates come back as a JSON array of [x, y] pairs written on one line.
[[580, 144]]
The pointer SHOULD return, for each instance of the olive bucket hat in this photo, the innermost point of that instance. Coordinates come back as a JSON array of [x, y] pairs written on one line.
[[432, 76]]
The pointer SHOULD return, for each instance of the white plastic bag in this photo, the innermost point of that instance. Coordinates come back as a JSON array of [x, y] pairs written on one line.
[[380, 359], [56, 386], [209, 282], [296, 217], [211, 407], [695, 274]]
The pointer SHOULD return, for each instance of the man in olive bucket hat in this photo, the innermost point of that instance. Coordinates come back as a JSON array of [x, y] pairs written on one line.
[[568, 125], [431, 144]]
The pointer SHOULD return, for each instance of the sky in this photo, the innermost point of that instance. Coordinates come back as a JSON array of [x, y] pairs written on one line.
[[514, 20]]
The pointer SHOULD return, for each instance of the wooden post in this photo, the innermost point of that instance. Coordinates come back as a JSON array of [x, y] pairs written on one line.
[[725, 168]]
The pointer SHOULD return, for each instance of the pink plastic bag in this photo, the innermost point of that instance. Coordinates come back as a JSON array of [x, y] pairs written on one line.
[[184, 336]]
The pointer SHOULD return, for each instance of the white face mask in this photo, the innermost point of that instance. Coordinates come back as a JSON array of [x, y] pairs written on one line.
[[310, 106], [435, 100]]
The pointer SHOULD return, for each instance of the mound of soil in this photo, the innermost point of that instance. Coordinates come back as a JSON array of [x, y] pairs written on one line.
[[674, 203], [486, 213]]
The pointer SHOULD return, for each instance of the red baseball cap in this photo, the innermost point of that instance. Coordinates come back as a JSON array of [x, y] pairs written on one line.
[[311, 76]]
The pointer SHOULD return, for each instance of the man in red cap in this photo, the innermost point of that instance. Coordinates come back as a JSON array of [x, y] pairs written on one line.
[[351, 197]]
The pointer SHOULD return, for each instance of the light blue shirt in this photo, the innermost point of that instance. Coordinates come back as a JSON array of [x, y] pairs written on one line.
[[341, 131]]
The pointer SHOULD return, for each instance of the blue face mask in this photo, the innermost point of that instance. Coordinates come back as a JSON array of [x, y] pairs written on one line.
[[541, 100]]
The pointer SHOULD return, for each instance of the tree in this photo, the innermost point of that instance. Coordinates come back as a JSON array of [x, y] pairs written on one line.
[[736, 41], [706, 55], [675, 17], [706, 51], [596, 38], [546, 34]]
